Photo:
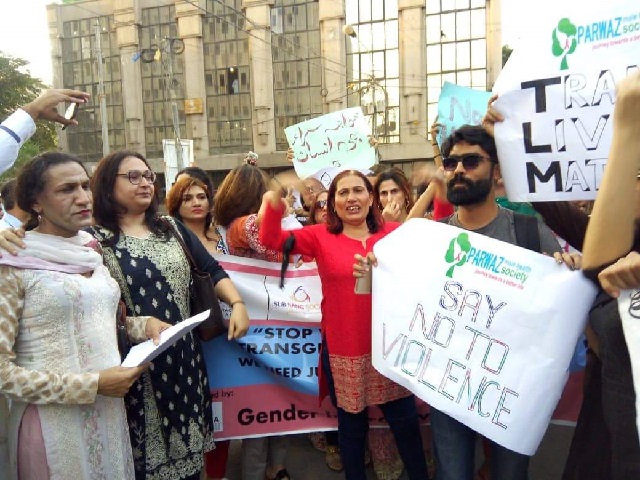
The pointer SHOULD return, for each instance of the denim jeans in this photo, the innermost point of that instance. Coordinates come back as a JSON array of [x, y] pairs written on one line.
[[454, 445], [402, 417]]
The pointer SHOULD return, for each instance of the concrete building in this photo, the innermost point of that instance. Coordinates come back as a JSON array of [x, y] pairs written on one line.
[[239, 71]]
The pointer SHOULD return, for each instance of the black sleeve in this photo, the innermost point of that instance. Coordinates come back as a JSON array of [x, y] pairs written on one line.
[[592, 273], [564, 219], [203, 259]]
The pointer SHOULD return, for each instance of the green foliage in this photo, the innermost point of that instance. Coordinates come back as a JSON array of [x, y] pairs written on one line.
[[17, 88], [506, 53]]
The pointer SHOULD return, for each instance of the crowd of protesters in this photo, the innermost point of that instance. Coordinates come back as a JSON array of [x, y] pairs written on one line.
[[68, 409]]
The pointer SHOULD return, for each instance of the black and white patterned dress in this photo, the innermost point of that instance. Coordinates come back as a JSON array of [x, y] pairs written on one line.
[[169, 407]]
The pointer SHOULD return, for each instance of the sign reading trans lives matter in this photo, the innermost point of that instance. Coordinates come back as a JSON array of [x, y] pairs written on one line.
[[339, 139], [477, 328], [554, 142]]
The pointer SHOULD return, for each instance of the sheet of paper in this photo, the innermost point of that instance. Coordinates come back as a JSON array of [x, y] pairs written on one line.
[[147, 351]]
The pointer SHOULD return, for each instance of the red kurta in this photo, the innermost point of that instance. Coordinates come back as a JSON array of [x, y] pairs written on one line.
[[346, 317]]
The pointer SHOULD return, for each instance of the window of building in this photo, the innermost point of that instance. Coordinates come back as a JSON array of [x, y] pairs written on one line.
[[373, 67], [227, 78], [456, 47], [158, 35], [297, 66], [80, 72]]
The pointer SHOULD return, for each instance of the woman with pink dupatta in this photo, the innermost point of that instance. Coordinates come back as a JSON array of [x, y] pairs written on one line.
[[59, 359]]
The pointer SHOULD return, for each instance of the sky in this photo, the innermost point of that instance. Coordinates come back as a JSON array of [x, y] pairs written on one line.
[[24, 32]]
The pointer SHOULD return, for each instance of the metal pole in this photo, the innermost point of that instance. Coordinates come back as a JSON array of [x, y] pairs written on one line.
[[101, 95], [174, 104], [374, 122]]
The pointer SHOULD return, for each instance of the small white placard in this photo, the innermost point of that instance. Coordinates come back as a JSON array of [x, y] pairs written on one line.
[[147, 351]]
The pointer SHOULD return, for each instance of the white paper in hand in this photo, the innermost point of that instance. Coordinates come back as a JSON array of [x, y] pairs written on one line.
[[147, 351]]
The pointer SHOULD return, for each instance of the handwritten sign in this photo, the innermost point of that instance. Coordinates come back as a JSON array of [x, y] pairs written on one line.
[[557, 131], [629, 309], [487, 337], [338, 139], [459, 106]]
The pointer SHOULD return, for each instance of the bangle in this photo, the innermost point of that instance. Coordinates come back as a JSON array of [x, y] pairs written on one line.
[[434, 144], [437, 155], [237, 301]]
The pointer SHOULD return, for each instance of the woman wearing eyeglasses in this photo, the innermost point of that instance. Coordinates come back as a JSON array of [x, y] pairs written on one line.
[[169, 407]]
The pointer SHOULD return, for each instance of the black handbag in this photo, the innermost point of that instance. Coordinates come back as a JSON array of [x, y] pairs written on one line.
[[203, 297]]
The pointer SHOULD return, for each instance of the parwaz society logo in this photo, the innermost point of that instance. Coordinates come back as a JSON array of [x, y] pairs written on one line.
[[488, 264], [566, 36]]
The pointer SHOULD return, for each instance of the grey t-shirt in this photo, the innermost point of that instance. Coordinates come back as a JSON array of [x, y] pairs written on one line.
[[502, 228]]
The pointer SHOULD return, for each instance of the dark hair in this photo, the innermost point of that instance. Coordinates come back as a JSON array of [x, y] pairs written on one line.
[[203, 176], [105, 209], [473, 135], [334, 223], [239, 194], [8, 193], [176, 194], [312, 210], [32, 180], [399, 179]]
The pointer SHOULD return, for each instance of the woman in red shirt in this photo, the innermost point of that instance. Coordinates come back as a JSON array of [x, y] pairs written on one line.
[[353, 227]]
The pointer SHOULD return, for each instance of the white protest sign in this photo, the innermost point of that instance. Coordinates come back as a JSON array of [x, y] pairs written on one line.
[[629, 309], [477, 328], [339, 139], [326, 175], [554, 142]]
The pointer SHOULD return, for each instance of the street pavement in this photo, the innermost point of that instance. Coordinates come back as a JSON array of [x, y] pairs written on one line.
[[305, 463]]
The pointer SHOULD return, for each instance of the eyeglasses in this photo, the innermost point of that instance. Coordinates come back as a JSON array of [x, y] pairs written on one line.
[[320, 204], [470, 161], [136, 176]]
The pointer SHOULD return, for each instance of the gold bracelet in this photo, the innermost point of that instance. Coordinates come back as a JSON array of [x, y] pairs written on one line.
[[437, 155], [237, 301]]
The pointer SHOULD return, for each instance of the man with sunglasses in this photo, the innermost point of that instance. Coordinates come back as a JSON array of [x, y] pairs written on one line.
[[471, 171]]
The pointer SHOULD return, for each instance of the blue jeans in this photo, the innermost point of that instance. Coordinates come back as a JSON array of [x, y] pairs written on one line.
[[402, 417], [454, 445]]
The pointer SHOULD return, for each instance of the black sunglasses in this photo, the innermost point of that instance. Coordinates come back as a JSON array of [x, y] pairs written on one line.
[[321, 204], [470, 161]]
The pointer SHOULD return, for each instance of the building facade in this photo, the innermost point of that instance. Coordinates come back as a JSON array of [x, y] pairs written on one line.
[[232, 74]]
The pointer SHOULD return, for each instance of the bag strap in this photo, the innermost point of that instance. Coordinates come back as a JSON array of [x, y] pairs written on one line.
[[527, 234], [185, 249], [286, 252]]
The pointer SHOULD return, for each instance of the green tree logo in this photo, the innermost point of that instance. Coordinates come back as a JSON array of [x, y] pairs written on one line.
[[564, 41], [457, 252]]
